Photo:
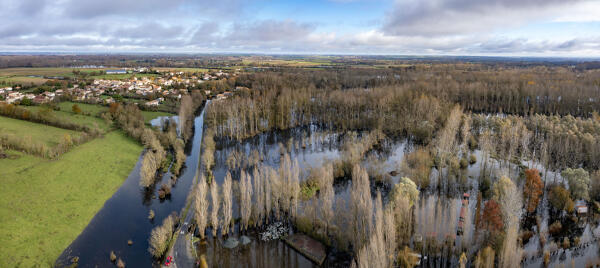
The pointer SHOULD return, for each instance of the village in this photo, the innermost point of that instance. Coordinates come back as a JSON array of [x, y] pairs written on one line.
[[153, 89]]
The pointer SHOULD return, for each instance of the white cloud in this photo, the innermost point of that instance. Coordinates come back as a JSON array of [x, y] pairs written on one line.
[[411, 27]]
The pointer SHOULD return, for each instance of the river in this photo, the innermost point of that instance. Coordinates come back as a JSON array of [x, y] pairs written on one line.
[[125, 215]]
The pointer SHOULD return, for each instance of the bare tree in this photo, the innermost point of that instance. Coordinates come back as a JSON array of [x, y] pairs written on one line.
[[268, 174], [327, 194], [294, 187], [227, 204], [509, 197], [245, 200], [259, 196], [214, 215], [201, 206], [361, 206]]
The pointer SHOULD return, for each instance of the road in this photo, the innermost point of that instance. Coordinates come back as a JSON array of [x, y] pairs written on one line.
[[182, 248]]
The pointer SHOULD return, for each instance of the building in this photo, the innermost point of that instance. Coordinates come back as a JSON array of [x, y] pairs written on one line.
[[155, 102], [116, 72], [581, 207]]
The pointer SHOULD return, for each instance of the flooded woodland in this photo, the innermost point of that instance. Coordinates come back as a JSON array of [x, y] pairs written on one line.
[[438, 167]]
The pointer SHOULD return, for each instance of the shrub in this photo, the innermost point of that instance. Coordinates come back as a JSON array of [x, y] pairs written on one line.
[[160, 236], [566, 244], [464, 163], [472, 142], [309, 188], [526, 235], [472, 159], [417, 165], [560, 199], [555, 228], [76, 109]]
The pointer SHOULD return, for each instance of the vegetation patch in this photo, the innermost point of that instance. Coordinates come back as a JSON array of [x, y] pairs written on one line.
[[46, 204], [33, 132]]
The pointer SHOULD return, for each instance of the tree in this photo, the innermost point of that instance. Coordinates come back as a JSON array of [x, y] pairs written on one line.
[[326, 193], [405, 188], [227, 204], [208, 147], [492, 216], [533, 189], [76, 109], [245, 199], [259, 196], [579, 182], [148, 169], [201, 206], [595, 185], [485, 258], [361, 206], [160, 236], [214, 215], [561, 199]]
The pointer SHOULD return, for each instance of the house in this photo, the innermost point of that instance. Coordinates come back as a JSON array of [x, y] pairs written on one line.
[[581, 207], [14, 96], [155, 102], [40, 99], [116, 72]]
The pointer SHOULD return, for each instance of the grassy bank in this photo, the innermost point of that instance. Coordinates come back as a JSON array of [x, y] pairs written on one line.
[[41, 133], [46, 204]]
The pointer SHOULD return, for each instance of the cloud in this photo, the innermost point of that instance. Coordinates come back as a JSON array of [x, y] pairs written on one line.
[[270, 31], [93, 9], [410, 27], [454, 17]]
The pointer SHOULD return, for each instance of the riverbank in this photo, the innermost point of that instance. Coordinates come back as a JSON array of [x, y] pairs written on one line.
[[46, 204]]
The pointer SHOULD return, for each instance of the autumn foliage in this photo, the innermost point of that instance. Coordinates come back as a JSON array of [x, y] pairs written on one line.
[[533, 189], [492, 216]]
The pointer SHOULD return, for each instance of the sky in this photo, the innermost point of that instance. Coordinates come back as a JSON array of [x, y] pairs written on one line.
[[560, 28]]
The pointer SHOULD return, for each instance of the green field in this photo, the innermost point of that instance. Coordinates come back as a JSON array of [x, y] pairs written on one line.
[[23, 80], [48, 135], [93, 109], [148, 115], [67, 72], [121, 76], [66, 114], [187, 70], [45, 204]]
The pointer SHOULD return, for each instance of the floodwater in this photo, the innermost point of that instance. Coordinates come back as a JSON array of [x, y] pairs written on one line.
[[125, 216], [257, 253], [435, 215]]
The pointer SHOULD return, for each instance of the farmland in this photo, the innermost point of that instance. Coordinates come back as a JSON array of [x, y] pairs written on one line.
[[47, 203]]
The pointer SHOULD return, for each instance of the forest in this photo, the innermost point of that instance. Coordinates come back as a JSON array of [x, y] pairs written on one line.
[[517, 148]]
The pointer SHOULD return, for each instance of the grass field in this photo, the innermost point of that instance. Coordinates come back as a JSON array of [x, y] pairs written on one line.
[[45, 204], [279, 62], [120, 76], [49, 135], [23, 80], [187, 70], [93, 109], [43, 71], [67, 115], [151, 115]]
